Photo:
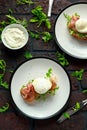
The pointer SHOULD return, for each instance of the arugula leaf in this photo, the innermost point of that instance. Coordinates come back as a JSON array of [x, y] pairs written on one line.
[[2, 72], [4, 108], [24, 2], [3, 83], [27, 55], [51, 92], [2, 65], [77, 106], [34, 35], [68, 18], [84, 91], [66, 115], [12, 20], [48, 74], [40, 17], [78, 74], [46, 36], [10, 11], [61, 58]]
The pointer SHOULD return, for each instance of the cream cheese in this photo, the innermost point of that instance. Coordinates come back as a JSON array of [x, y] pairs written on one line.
[[81, 25], [14, 37]]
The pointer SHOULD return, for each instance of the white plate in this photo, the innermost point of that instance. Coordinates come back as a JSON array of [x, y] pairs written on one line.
[[40, 109], [70, 45]]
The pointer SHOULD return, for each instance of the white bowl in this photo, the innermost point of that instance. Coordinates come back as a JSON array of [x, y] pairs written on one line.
[[9, 35]]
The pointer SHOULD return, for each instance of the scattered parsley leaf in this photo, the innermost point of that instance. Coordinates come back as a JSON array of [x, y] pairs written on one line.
[[27, 55], [4, 108], [78, 74], [61, 58], [66, 115], [40, 17], [46, 36]]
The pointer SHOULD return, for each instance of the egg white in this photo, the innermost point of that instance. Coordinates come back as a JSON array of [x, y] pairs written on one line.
[[81, 25], [42, 85]]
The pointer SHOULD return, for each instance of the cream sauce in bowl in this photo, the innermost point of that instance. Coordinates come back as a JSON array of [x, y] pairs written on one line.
[[14, 36]]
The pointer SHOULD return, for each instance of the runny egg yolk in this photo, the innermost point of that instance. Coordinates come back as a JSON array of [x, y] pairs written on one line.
[[81, 25], [42, 85]]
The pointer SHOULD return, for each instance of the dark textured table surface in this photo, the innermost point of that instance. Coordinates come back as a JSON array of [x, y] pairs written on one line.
[[13, 119]]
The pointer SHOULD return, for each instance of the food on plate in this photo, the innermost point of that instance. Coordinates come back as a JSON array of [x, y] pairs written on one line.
[[77, 26], [40, 87]]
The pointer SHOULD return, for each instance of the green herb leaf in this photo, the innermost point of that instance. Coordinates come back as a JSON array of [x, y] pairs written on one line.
[[3, 83], [67, 17], [77, 106], [61, 58], [84, 91], [48, 74], [27, 55], [2, 65], [34, 35], [52, 92], [66, 115], [46, 36], [12, 20], [78, 74], [4, 108], [24, 2], [40, 17], [2, 72]]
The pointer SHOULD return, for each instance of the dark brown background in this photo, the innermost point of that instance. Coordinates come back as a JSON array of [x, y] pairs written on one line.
[[13, 119]]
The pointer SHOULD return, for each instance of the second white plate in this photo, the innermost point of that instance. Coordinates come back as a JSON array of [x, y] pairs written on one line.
[[70, 45]]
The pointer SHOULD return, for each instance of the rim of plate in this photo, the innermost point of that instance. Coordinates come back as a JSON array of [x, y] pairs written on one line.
[[58, 112], [78, 57]]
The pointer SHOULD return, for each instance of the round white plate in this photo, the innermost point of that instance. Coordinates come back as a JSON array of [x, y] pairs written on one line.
[[31, 69], [70, 45]]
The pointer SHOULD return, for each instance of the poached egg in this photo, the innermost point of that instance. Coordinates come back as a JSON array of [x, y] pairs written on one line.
[[81, 25], [42, 85]]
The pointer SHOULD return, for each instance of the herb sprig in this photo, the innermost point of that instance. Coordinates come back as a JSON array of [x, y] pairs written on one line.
[[27, 55], [40, 17], [78, 74], [49, 72], [61, 58], [46, 36], [4, 108], [22, 2], [77, 106], [2, 73], [66, 115], [84, 91], [12, 19]]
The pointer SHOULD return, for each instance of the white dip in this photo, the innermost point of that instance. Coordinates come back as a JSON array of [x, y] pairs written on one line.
[[14, 37]]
